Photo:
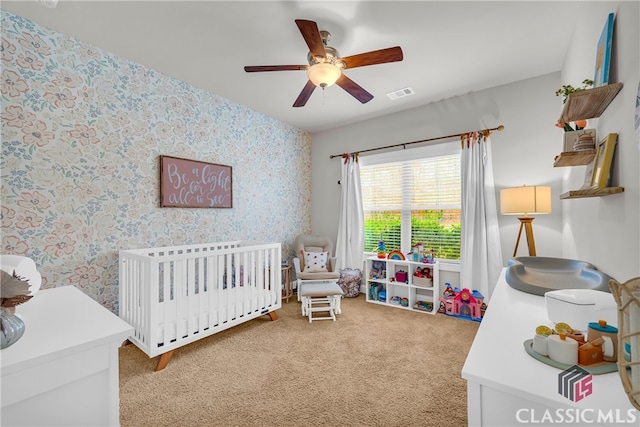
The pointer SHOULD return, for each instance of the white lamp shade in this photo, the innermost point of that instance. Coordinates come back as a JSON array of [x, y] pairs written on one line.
[[323, 74], [525, 200]]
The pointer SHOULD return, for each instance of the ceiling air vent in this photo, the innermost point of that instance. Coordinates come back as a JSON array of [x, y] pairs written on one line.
[[400, 93], [49, 3]]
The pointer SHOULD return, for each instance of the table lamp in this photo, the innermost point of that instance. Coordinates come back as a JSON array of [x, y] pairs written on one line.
[[523, 201]]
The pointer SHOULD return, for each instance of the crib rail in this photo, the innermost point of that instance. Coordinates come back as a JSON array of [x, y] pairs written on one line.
[[173, 296]]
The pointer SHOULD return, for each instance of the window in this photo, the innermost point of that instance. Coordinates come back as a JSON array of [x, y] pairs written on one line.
[[413, 196]]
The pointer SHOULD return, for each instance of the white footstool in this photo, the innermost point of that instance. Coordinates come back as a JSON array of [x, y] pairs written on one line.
[[317, 297]]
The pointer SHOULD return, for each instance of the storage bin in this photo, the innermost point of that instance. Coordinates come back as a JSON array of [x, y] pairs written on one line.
[[423, 282], [401, 276]]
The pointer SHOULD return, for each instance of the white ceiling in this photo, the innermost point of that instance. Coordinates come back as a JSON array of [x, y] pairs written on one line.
[[450, 47]]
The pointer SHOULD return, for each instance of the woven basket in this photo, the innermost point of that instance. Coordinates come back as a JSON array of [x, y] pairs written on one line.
[[627, 296], [423, 282]]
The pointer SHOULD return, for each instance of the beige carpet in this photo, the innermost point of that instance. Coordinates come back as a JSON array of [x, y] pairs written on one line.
[[374, 366]]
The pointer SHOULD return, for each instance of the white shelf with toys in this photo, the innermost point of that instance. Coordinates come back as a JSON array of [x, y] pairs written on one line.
[[398, 283]]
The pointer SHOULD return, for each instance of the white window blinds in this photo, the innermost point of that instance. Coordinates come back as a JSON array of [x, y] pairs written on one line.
[[413, 200]]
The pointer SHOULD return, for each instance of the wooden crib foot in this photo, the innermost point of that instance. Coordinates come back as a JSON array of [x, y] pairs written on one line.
[[273, 315], [164, 360]]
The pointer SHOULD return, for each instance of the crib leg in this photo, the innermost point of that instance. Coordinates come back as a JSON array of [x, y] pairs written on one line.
[[164, 360], [273, 315]]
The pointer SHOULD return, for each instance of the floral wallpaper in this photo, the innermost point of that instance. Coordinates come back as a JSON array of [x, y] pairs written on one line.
[[82, 132]]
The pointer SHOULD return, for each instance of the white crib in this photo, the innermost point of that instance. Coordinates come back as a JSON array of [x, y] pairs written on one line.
[[173, 296]]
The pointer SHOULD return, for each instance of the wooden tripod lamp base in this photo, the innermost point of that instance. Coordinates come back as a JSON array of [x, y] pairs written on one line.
[[525, 222], [524, 201]]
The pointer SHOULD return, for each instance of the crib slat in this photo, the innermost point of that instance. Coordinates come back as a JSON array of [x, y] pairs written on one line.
[[222, 285], [260, 279], [243, 302], [239, 289], [180, 298], [203, 309], [250, 298], [167, 289], [140, 297], [190, 289], [150, 295], [212, 290]]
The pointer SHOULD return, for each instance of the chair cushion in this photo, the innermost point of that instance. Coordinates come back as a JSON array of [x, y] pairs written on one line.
[[320, 290], [315, 262], [327, 275]]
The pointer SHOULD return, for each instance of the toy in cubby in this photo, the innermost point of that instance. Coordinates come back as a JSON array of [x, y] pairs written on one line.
[[462, 303], [401, 276], [382, 296], [378, 270], [423, 277], [374, 291]]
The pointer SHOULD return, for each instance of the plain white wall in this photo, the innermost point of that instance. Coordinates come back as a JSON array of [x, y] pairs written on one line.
[[604, 231]]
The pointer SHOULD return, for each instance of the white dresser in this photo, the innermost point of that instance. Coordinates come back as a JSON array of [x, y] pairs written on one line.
[[64, 369], [507, 387]]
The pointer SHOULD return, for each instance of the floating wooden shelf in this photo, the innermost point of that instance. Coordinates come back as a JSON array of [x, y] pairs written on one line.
[[591, 192], [574, 158], [589, 103]]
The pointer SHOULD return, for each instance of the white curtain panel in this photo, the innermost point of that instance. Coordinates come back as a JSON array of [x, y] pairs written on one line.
[[480, 250], [350, 242]]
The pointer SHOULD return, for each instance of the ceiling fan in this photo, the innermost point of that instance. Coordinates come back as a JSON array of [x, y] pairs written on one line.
[[326, 66]]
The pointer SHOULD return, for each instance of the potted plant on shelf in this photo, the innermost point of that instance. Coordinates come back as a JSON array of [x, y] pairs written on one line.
[[565, 91]]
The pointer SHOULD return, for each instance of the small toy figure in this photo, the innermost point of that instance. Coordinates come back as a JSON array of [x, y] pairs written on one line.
[[448, 292], [430, 256]]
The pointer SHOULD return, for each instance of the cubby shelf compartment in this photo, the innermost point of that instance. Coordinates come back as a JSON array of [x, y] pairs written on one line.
[[589, 103], [591, 192], [574, 158]]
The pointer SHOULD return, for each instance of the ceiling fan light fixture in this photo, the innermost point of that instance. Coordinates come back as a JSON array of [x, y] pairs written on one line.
[[326, 66], [323, 74]]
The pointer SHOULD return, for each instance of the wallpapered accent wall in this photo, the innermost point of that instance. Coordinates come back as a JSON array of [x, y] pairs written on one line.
[[82, 130]]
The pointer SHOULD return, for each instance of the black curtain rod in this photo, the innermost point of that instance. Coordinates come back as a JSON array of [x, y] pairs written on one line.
[[499, 128]]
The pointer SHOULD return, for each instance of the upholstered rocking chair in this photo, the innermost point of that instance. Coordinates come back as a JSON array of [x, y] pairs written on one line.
[[316, 278]]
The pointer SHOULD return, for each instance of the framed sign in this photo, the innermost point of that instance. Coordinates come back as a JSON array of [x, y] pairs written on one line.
[[603, 161], [188, 183]]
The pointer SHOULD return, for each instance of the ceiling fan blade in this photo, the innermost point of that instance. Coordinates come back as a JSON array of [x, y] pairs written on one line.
[[311, 35], [258, 68], [391, 54], [354, 89], [307, 90]]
